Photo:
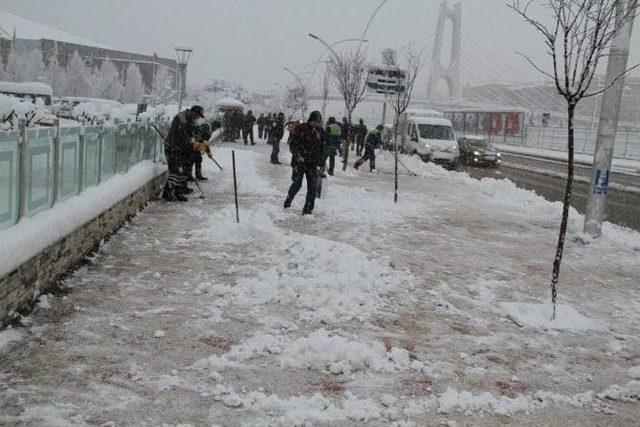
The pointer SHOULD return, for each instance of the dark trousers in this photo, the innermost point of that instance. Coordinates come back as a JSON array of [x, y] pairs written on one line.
[[370, 155], [260, 128], [247, 133], [275, 150], [311, 173], [330, 154], [359, 147], [177, 164]]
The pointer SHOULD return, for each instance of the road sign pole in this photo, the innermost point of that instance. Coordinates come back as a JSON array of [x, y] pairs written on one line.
[[608, 127]]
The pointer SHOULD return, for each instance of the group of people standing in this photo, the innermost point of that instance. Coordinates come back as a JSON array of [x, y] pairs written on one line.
[[312, 146]]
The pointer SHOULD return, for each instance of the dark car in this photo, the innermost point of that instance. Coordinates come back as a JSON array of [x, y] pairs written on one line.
[[475, 150]]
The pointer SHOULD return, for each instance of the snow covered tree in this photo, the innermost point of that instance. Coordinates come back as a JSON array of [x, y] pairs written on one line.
[[577, 37], [76, 78], [24, 66], [162, 89], [134, 87], [106, 81]]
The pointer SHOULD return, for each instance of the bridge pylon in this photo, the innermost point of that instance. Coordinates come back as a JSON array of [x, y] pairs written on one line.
[[450, 73]]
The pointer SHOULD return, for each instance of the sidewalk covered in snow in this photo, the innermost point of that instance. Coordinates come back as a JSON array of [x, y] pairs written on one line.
[[430, 311]]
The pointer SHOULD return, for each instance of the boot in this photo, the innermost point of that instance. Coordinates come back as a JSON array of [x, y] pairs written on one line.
[[358, 164], [181, 198], [166, 195], [187, 190], [287, 203], [199, 176]]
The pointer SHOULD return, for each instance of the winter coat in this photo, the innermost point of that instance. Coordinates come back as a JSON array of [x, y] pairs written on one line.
[[361, 132], [180, 133], [249, 120], [276, 132], [333, 134], [306, 142], [374, 139]]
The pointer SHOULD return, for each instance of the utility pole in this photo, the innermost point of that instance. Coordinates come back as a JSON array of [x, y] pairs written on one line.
[[183, 53], [608, 127]]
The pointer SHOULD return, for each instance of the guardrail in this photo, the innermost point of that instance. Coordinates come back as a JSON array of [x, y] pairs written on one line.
[[40, 167], [627, 144]]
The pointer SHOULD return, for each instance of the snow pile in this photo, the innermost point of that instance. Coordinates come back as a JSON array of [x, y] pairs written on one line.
[[159, 112], [326, 280], [627, 393], [354, 204], [13, 109], [249, 180], [97, 114], [9, 336], [452, 401], [635, 372], [539, 316], [319, 351], [300, 410], [323, 351]]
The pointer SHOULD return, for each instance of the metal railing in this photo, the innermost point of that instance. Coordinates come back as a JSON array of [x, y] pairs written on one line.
[[555, 138], [40, 167]]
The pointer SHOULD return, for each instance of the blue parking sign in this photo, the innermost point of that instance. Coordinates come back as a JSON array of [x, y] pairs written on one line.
[[601, 186]]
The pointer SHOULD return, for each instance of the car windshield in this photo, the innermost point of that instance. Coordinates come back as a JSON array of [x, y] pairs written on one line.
[[440, 132], [480, 144]]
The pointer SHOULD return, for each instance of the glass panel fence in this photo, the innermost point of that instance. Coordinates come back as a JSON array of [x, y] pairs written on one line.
[[9, 169], [69, 159], [85, 157], [91, 158], [39, 173]]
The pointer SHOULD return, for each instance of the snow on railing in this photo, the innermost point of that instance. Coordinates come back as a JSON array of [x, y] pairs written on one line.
[[43, 165]]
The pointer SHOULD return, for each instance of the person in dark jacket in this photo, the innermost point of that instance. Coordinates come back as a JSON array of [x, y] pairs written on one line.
[[374, 139], [247, 128], [260, 123], [276, 132], [361, 134], [179, 153], [333, 135], [306, 157], [202, 134], [268, 123]]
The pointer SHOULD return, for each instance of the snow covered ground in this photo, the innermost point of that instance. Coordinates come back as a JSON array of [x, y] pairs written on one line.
[[426, 312]]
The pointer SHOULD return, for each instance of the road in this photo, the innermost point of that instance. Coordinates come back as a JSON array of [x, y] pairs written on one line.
[[557, 166], [623, 206]]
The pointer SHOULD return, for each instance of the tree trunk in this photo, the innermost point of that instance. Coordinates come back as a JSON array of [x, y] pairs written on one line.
[[395, 154], [345, 145], [565, 210]]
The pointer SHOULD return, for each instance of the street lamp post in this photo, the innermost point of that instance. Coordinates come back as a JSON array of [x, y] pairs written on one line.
[[183, 53]]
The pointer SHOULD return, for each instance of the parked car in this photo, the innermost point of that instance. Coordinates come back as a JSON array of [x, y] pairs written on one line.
[[476, 150]]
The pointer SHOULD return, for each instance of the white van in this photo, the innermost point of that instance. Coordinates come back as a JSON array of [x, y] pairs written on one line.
[[432, 138]]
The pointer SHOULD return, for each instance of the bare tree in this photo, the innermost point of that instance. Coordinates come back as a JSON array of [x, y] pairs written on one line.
[[349, 71], [577, 38], [405, 73], [296, 99]]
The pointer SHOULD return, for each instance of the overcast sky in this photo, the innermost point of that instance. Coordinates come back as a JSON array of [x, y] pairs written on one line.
[[250, 41]]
